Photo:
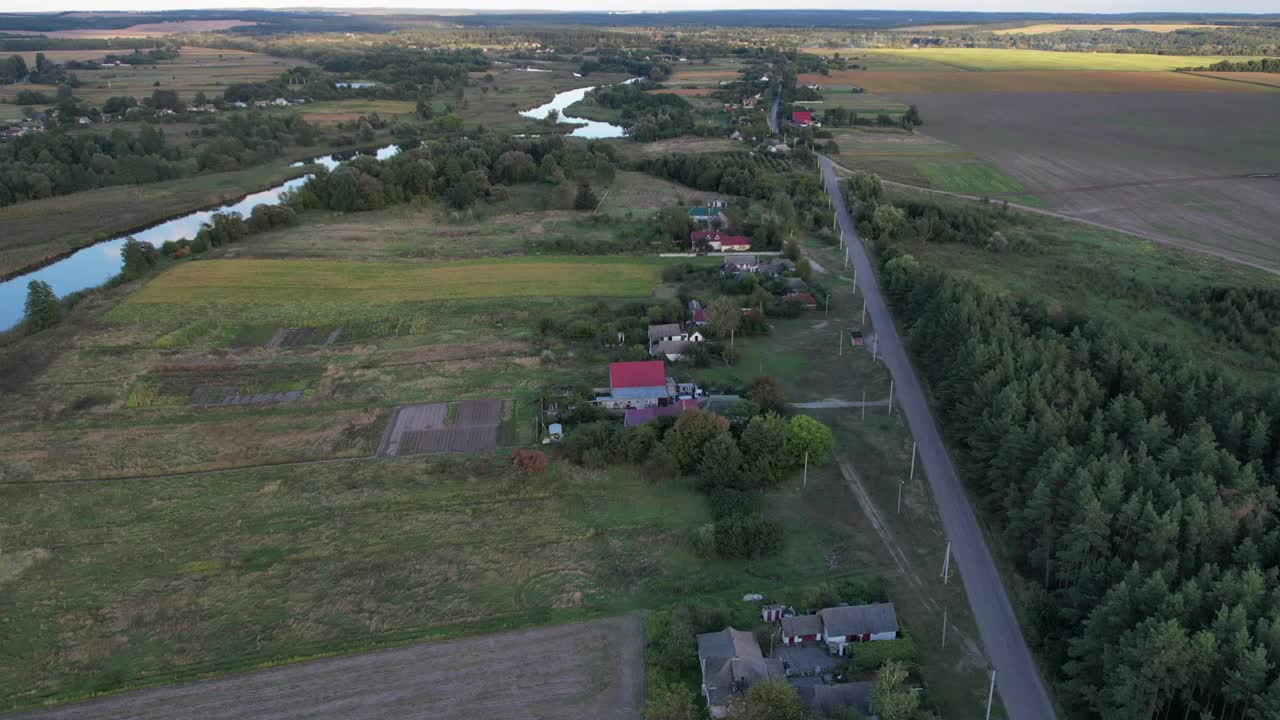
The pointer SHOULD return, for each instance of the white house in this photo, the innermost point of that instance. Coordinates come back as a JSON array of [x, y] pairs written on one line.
[[857, 623], [672, 340]]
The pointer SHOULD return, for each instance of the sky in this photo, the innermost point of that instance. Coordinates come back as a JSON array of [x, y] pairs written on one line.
[[1058, 6]]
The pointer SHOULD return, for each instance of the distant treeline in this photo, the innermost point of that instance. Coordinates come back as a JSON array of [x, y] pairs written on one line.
[[1220, 40], [1266, 65]]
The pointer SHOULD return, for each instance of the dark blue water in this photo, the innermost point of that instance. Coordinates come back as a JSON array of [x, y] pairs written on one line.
[[98, 263]]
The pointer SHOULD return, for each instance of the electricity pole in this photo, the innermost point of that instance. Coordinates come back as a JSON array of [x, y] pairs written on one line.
[[891, 395], [946, 565], [991, 692], [913, 460]]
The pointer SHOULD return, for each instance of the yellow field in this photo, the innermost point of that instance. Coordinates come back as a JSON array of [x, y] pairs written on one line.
[[1049, 27], [1019, 81], [290, 282]]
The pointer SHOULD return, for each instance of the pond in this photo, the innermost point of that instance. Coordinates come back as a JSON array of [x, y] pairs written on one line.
[[593, 129], [94, 265]]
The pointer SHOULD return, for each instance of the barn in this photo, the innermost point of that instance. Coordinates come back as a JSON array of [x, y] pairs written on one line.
[[858, 623], [801, 629]]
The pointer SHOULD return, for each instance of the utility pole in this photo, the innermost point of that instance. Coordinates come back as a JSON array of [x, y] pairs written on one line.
[[806, 470], [827, 311], [841, 333], [913, 460], [944, 626], [991, 692], [864, 307], [891, 395], [864, 404], [900, 484], [946, 565]]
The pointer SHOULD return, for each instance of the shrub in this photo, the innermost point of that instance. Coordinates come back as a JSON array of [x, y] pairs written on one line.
[[747, 536]]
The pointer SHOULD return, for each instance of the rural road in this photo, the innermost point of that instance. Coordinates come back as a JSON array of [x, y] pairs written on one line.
[[564, 672], [1017, 678], [773, 115]]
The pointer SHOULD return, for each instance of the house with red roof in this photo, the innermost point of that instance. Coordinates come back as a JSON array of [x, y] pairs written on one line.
[[719, 241], [803, 118], [639, 384], [803, 298]]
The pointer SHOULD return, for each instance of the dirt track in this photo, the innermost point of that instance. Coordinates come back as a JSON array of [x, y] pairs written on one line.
[[582, 670]]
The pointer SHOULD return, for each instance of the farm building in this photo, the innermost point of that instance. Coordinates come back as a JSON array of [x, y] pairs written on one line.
[[642, 416], [637, 385], [719, 241], [802, 118], [858, 623], [698, 316], [731, 663], [772, 613], [740, 263], [776, 267], [801, 629], [808, 301]]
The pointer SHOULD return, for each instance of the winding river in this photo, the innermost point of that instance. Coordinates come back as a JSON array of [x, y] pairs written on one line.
[[591, 129], [96, 264]]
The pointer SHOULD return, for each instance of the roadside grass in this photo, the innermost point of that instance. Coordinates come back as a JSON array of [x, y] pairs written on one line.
[[348, 283], [976, 178]]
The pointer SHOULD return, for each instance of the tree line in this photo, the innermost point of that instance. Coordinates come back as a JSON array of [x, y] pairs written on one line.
[[1133, 483]]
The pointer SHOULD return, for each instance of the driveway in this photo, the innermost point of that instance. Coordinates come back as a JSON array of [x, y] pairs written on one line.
[[1017, 678], [805, 659]]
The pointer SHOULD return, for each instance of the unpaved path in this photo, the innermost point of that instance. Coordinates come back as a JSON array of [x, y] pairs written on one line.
[[581, 670], [1017, 677], [834, 403]]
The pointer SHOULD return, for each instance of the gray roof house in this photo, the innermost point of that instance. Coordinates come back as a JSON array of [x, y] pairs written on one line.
[[731, 662], [670, 331], [825, 698], [859, 623], [799, 627], [777, 266], [795, 284]]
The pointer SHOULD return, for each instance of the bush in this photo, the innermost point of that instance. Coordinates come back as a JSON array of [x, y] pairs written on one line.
[[727, 502], [871, 655], [747, 536]]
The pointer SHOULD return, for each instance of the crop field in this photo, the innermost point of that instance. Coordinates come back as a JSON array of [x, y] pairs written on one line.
[[291, 282], [589, 669], [1023, 81], [196, 69], [334, 112], [1011, 59], [1051, 28], [1267, 79], [1138, 162]]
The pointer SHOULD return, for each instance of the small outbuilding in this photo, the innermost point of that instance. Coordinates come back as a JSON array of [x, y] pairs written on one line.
[[801, 629]]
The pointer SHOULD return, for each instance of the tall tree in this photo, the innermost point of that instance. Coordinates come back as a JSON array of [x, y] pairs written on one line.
[[42, 310]]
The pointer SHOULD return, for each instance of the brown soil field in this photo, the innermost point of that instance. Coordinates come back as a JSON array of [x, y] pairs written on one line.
[[582, 670], [151, 29], [1025, 81], [1140, 162]]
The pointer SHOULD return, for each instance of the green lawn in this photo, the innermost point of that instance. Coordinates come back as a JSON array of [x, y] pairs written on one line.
[[976, 178]]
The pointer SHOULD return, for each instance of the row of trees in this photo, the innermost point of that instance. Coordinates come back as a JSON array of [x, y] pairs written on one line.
[[1134, 483]]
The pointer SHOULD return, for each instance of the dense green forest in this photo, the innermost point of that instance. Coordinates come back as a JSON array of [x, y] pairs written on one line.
[[1132, 483]]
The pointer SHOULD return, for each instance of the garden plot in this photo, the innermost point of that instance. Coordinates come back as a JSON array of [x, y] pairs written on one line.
[[467, 426]]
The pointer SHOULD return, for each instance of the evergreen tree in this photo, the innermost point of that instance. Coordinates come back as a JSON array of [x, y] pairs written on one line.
[[43, 310]]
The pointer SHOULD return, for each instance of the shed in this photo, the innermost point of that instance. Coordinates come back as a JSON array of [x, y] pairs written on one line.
[[801, 629]]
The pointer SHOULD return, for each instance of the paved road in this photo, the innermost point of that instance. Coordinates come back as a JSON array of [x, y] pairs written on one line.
[[1017, 678], [563, 672]]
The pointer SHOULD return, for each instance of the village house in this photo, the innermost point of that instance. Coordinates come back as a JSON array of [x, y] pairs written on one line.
[[802, 118], [740, 263], [857, 623], [672, 340], [804, 299], [637, 385], [697, 315], [776, 267], [719, 241], [731, 663]]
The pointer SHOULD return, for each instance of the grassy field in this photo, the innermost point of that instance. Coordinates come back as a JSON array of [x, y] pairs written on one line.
[[195, 70], [954, 81], [975, 178], [37, 230], [304, 282], [495, 99], [335, 111]]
